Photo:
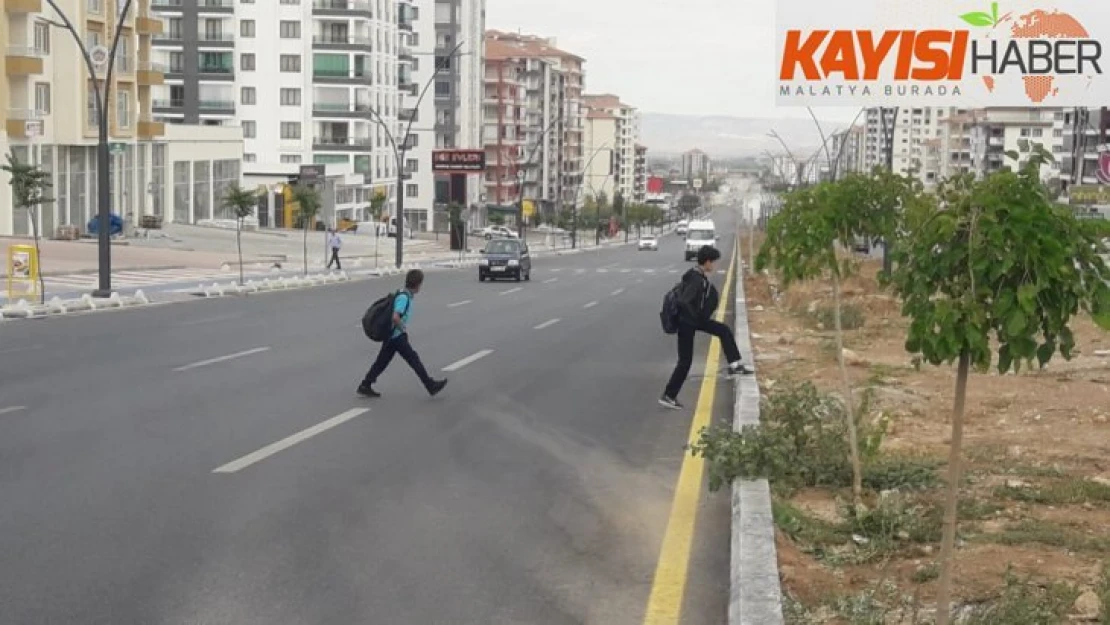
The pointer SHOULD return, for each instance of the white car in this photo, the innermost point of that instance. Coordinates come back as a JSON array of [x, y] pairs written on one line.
[[648, 243], [497, 232]]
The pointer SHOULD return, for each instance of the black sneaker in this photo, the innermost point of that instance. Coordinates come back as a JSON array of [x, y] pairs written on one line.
[[670, 402], [366, 391], [436, 387]]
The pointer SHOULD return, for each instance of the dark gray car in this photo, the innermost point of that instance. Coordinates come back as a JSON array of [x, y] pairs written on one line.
[[505, 258]]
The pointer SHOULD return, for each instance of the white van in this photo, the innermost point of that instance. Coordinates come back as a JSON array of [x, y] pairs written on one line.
[[699, 234]]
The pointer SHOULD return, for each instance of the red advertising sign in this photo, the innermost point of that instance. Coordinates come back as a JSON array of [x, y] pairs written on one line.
[[655, 185], [458, 160]]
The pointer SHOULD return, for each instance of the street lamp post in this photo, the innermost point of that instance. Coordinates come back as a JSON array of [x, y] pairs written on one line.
[[523, 173], [581, 188], [400, 151], [102, 98]]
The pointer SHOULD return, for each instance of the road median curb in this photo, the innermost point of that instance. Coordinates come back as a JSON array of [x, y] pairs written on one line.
[[755, 592]]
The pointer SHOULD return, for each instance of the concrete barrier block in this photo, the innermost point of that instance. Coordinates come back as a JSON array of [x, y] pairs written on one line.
[[141, 298]]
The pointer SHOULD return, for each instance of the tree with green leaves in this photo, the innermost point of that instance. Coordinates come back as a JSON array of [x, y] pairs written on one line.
[[29, 184], [620, 209], [801, 244], [999, 261], [377, 212], [242, 203], [308, 205]]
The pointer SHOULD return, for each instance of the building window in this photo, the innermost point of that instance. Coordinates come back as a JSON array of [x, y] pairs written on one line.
[[177, 62], [90, 106], [250, 129], [123, 109], [290, 63], [42, 97], [290, 159], [95, 6], [250, 157], [290, 1], [246, 28], [248, 95], [246, 62], [412, 165], [290, 130], [412, 190], [290, 97], [202, 190], [42, 37], [290, 30], [1038, 132], [443, 88]]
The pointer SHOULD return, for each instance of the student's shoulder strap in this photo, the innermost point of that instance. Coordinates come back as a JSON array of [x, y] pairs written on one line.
[[408, 300]]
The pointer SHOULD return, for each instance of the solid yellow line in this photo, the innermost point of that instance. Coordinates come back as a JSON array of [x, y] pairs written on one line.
[[664, 605]]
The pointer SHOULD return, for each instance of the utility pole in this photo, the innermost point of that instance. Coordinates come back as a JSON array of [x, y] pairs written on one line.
[[888, 136]]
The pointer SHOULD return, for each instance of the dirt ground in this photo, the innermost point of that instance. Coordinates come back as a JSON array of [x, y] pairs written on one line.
[[1027, 434]]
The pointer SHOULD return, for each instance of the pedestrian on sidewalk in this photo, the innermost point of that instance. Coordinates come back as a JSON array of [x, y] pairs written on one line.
[[398, 343], [334, 243], [697, 301]]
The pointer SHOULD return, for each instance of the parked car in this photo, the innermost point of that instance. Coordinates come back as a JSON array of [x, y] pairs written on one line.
[[497, 232], [648, 243], [505, 258]]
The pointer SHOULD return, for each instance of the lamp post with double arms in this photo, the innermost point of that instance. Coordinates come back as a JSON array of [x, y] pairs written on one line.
[[101, 99], [522, 174], [400, 150]]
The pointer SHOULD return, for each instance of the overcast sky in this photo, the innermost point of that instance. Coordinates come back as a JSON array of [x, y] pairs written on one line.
[[701, 57]]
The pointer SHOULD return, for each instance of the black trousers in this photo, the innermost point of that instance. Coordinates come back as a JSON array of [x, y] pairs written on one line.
[[335, 259], [390, 348], [686, 335]]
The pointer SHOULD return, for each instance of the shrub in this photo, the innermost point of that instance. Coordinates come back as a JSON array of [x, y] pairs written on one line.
[[897, 518], [851, 317], [901, 473], [1024, 602]]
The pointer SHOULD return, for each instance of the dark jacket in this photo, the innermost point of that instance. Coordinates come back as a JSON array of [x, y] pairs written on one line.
[[698, 298]]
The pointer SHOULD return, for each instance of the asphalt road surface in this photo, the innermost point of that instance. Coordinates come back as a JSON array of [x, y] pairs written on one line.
[[209, 462]]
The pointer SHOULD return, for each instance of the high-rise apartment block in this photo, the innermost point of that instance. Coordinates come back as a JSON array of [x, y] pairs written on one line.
[[443, 38], [533, 117], [50, 118], [695, 165]]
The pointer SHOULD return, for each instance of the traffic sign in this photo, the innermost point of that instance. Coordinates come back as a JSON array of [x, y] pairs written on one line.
[[117, 148]]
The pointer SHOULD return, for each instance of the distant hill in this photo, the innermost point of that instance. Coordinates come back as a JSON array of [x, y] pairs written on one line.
[[667, 134]]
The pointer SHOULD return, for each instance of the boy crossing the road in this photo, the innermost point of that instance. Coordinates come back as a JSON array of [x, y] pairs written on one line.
[[697, 300], [398, 343]]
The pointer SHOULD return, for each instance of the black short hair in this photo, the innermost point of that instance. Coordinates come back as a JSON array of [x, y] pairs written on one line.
[[414, 279], [708, 253]]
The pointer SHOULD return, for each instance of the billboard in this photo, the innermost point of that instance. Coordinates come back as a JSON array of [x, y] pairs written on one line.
[[655, 184], [458, 160], [942, 53]]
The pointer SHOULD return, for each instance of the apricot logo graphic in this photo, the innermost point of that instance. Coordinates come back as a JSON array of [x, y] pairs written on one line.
[[1027, 56], [1048, 37]]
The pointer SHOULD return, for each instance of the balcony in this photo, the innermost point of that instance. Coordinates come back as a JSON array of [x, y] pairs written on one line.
[[168, 106], [149, 129], [216, 71], [216, 40], [342, 144], [344, 110], [341, 8], [25, 124], [335, 41], [405, 24], [410, 88], [23, 61], [216, 107], [341, 76], [148, 25], [215, 6], [151, 74], [23, 6], [169, 39], [166, 5]]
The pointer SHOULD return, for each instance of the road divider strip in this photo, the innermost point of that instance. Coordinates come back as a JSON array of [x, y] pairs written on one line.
[[258, 456], [11, 409], [547, 324], [462, 303]]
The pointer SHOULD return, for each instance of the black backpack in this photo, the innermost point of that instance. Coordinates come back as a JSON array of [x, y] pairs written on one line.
[[669, 315], [377, 322]]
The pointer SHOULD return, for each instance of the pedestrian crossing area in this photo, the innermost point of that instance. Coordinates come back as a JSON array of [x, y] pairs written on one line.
[[122, 280]]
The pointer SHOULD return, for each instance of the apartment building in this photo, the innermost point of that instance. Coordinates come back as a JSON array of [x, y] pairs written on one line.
[[695, 165], [600, 173], [603, 110], [997, 131], [847, 150], [534, 130], [306, 81], [50, 117], [640, 175], [443, 39], [1086, 136]]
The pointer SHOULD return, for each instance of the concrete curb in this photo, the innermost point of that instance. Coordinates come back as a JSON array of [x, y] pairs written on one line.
[[755, 593], [57, 306]]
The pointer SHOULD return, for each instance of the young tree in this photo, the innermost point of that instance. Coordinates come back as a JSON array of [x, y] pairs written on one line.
[[242, 204], [620, 210], [308, 202], [29, 183], [999, 261], [377, 212], [801, 244]]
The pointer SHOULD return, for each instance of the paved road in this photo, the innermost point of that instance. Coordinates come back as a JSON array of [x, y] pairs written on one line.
[[209, 462]]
